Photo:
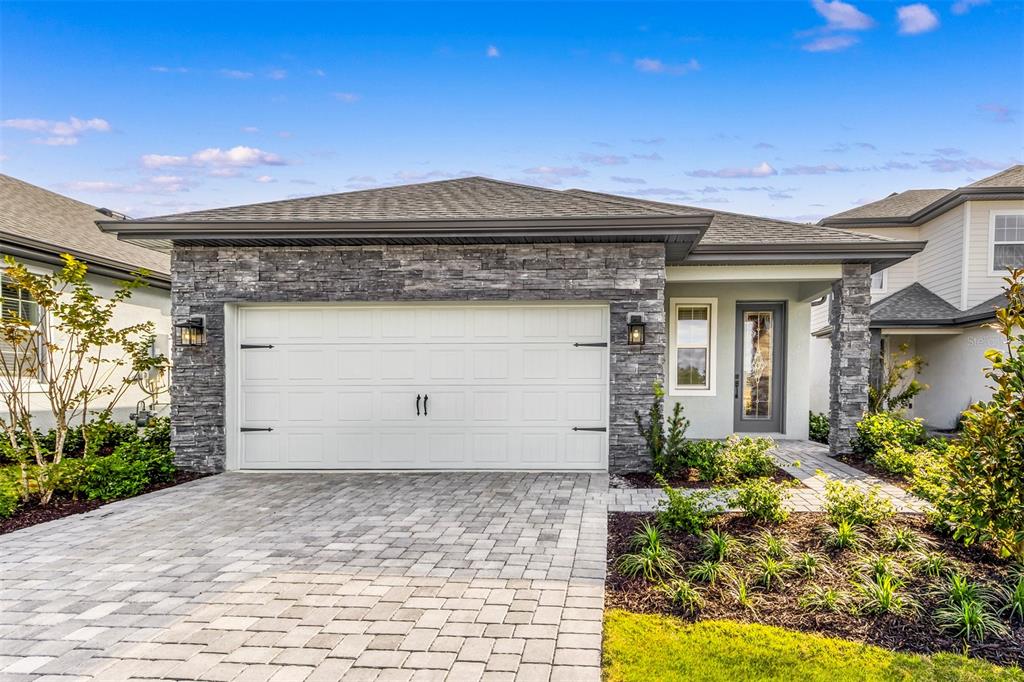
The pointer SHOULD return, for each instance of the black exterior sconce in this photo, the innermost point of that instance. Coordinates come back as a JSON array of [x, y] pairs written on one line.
[[635, 329]]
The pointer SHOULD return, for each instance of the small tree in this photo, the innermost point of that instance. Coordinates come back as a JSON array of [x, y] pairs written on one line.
[[86, 363], [665, 438], [899, 384], [984, 479]]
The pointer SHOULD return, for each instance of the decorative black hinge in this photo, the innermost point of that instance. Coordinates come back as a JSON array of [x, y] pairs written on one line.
[[248, 429], [590, 428], [255, 345], [601, 344]]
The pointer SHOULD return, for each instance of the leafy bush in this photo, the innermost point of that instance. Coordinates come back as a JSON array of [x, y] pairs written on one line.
[[819, 427], [708, 457], [718, 545], [859, 507], [875, 430], [157, 461], [651, 559], [690, 513], [113, 477], [683, 595], [899, 385], [844, 535], [895, 459], [665, 439], [10, 492], [977, 486], [762, 500]]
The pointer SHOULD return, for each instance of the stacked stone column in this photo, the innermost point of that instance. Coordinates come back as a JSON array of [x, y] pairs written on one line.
[[850, 318]]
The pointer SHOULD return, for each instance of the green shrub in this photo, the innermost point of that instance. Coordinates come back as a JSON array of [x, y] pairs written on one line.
[[859, 507], [650, 559], [895, 459], [158, 433], [683, 595], [157, 460], [708, 457], [819, 427], [748, 457], [665, 439], [113, 477], [761, 499], [10, 491], [875, 430], [688, 512]]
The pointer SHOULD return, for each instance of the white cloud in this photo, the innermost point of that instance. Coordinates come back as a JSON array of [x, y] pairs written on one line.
[[651, 65], [762, 170], [628, 180], [168, 69], [1000, 112], [842, 16], [362, 178], [830, 43], [94, 186], [160, 184], [820, 169], [222, 162], [415, 176], [653, 156], [277, 74], [493, 52], [604, 159], [60, 133], [250, 129], [558, 171], [318, 72], [946, 165], [916, 18], [265, 179], [236, 74], [347, 97], [965, 6]]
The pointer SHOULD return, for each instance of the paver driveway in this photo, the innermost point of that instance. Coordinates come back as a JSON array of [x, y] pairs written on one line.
[[456, 576]]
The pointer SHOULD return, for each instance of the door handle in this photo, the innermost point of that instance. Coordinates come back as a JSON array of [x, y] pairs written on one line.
[[417, 404], [736, 388], [425, 397]]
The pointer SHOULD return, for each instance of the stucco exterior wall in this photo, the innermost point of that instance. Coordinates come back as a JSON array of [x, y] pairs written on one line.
[[712, 416], [954, 373], [630, 277]]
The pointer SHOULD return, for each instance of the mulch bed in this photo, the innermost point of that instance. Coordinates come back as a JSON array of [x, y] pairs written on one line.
[[865, 465], [688, 478], [779, 607], [59, 507]]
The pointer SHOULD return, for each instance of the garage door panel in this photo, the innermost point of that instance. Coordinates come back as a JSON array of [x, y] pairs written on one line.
[[506, 386]]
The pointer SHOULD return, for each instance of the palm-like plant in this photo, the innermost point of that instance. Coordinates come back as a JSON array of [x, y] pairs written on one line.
[[969, 619], [650, 559], [844, 535], [718, 545], [883, 595], [684, 595], [1013, 600], [709, 572], [771, 572]]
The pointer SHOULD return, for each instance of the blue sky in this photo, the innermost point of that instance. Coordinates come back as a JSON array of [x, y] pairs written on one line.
[[792, 109]]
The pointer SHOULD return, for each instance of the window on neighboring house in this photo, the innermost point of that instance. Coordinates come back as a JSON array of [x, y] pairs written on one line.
[[879, 282], [1007, 241], [693, 346], [17, 302]]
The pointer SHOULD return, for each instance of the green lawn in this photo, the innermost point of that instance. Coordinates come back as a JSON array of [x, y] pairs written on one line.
[[644, 648]]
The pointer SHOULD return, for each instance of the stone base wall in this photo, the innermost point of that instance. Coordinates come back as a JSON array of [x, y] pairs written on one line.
[[850, 318], [630, 277]]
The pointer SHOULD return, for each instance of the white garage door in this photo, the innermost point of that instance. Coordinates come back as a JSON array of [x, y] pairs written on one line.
[[419, 386]]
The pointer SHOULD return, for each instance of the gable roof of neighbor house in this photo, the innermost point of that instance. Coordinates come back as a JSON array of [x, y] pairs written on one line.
[[916, 305], [476, 209], [39, 224], [915, 206]]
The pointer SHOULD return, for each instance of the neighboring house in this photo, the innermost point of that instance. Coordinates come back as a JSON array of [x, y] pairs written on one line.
[[37, 225], [937, 302], [478, 324]]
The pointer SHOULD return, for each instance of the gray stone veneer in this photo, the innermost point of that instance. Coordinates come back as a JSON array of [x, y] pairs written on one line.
[[630, 277], [851, 355]]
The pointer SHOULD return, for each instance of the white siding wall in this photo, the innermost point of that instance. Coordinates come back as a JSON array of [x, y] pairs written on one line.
[[712, 416], [147, 304], [939, 266], [982, 286]]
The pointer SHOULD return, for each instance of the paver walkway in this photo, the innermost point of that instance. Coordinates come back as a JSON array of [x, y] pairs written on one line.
[[458, 576], [800, 459]]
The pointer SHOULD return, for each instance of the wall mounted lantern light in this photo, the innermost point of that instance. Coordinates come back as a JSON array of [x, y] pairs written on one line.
[[191, 332], [635, 327]]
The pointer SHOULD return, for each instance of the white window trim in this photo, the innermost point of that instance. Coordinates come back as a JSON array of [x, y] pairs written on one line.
[[992, 239], [711, 390], [885, 282]]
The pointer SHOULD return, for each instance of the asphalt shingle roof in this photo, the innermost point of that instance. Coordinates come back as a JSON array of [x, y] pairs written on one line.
[[898, 205], [472, 198], [902, 205], [66, 225], [915, 303], [737, 228]]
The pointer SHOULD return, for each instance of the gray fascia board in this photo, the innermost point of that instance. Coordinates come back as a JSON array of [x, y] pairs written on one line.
[[879, 254], [44, 253], [687, 228], [950, 201]]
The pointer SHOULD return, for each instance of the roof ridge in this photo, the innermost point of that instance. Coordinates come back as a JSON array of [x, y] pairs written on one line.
[[1008, 169], [741, 215]]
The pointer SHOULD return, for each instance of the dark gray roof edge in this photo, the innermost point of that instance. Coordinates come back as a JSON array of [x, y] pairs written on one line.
[[45, 253], [957, 321], [949, 201], [656, 225]]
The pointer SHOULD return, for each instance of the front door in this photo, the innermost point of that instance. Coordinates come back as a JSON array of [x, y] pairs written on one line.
[[759, 383]]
